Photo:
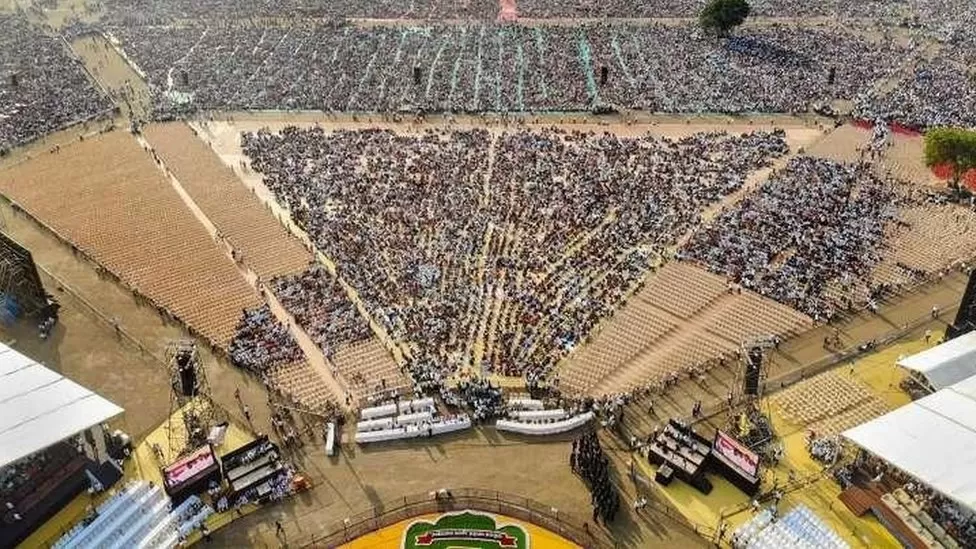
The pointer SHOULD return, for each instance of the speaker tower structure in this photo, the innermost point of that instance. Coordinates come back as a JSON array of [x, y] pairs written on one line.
[[965, 321], [755, 362], [192, 410]]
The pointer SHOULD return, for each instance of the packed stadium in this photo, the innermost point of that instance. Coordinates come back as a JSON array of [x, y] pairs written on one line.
[[525, 273]]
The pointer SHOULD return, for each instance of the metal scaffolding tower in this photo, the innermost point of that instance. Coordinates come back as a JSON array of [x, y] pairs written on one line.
[[192, 410]]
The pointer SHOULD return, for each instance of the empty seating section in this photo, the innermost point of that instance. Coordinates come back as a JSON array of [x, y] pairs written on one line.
[[903, 159], [693, 349], [303, 384], [633, 328], [265, 245], [751, 316], [682, 289], [888, 272], [693, 352], [105, 196], [934, 237], [859, 413], [684, 317], [829, 402], [369, 368]]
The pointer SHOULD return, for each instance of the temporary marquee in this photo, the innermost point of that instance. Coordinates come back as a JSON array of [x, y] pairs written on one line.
[[945, 364], [39, 407], [933, 439]]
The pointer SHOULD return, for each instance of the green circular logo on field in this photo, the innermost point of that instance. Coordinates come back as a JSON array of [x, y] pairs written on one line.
[[464, 530]]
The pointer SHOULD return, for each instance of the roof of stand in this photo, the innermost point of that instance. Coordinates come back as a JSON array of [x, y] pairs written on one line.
[[39, 407], [945, 364], [933, 439]]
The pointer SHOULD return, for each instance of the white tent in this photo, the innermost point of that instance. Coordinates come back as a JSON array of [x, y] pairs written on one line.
[[933, 439], [945, 364], [40, 407]]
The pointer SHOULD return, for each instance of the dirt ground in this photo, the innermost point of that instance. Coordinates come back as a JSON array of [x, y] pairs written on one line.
[[365, 477], [801, 131], [86, 349]]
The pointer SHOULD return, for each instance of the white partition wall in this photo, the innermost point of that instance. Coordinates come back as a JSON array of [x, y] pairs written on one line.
[[538, 415], [542, 428], [418, 430]]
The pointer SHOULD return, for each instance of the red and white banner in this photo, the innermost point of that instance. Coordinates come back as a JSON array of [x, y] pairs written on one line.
[[737, 454]]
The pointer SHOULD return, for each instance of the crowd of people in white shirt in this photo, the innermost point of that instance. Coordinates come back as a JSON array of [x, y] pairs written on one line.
[[262, 343], [523, 239], [322, 308], [43, 88], [815, 226], [504, 68]]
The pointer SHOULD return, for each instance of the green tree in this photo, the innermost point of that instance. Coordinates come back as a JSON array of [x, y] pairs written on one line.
[[954, 147], [721, 16]]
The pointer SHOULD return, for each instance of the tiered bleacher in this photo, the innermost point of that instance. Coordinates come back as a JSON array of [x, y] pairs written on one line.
[[798, 528], [140, 515]]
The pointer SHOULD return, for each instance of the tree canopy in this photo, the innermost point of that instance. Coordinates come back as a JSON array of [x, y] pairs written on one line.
[[721, 16], [954, 147]]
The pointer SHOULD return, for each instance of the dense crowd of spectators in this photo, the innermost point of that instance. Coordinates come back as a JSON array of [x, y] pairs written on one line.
[[940, 92], [262, 343], [321, 307], [489, 9], [958, 521], [142, 11], [539, 234], [220, 55], [671, 68], [691, 8], [589, 461], [19, 479], [477, 395], [814, 224], [42, 87]]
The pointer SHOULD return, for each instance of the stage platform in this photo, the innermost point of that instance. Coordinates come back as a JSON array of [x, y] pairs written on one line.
[[819, 492], [148, 467]]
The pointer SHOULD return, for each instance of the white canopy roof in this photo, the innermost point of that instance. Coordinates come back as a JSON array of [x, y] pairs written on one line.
[[40, 407], [945, 364], [933, 439]]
